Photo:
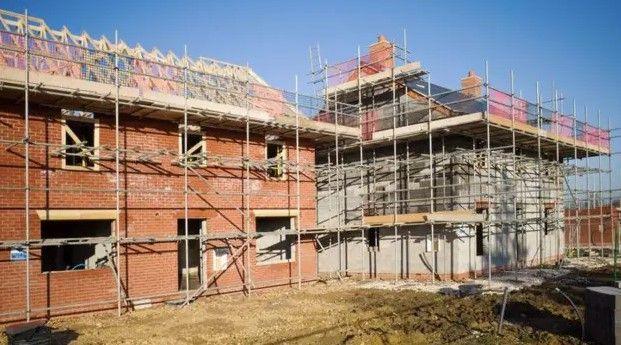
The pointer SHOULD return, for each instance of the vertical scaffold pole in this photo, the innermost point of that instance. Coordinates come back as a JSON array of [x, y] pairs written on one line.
[[473, 190], [338, 172], [185, 175], [373, 264], [559, 196], [246, 194], [609, 146], [298, 223], [405, 46], [405, 180], [431, 179], [443, 163], [539, 177], [27, 160], [489, 176], [330, 210], [395, 165], [587, 175], [601, 191], [515, 172], [117, 179], [362, 126], [577, 219], [407, 208]]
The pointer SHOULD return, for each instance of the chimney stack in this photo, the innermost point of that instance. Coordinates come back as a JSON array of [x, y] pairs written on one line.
[[471, 85], [380, 54]]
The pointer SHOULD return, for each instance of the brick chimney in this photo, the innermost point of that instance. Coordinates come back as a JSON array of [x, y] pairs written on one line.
[[380, 54], [472, 84]]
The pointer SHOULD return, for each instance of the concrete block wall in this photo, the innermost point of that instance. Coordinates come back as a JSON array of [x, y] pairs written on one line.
[[456, 257], [146, 269], [509, 244]]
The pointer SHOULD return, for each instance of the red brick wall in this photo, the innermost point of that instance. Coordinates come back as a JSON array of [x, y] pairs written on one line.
[[146, 269], [591, 234]]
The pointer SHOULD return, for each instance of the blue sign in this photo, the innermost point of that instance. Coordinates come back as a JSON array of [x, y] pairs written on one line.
[[18, 255]]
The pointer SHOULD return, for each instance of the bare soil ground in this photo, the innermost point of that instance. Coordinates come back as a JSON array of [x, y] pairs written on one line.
[[346, 313]]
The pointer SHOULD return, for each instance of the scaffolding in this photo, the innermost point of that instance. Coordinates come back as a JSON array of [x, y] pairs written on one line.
[[514, 144], [200, 88], [523, 155]]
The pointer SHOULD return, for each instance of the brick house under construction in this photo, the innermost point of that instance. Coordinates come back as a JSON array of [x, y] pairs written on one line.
[[133, 157], [131, 177]]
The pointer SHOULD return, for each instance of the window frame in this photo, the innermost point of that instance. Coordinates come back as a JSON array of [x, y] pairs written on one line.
[[293, 244], [107, 246], [285, 154], [192, 130], [63, 134]]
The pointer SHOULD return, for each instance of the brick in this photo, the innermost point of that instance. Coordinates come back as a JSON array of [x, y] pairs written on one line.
[[146, 269]]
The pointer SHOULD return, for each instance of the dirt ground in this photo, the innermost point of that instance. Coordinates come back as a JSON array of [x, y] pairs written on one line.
[[345, 313]]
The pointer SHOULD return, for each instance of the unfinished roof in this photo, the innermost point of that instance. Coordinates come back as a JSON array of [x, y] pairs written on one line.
[[386, 69], [15, 23], [78, 71]]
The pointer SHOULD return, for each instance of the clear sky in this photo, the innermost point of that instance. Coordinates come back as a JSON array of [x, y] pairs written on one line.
[[575, 44]]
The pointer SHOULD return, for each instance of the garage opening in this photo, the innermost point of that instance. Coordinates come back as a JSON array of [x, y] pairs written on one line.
[[75, 257], [274, 247], [194, 270]]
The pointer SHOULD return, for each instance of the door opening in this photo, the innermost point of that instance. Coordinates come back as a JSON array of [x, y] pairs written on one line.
[[194, 269]]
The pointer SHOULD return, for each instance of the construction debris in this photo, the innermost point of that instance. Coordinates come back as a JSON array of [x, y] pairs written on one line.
[[513, 280]]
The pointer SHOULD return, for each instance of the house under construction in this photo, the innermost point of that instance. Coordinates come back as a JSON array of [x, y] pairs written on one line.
[[450, 183], [132, 177]]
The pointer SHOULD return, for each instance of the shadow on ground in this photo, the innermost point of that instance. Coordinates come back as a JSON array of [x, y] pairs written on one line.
[[63, 337], [525, 314]]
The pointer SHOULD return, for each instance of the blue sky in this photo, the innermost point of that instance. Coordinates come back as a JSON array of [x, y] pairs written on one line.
[[574, 44]]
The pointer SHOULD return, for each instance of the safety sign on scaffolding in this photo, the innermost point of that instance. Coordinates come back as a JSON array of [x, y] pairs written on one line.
[[18, 254]]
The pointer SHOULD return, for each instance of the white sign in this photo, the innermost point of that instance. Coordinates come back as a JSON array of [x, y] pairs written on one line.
[[18, 255]]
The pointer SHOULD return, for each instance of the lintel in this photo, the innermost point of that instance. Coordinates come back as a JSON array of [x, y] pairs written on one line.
[[275, 213], [76, 214]]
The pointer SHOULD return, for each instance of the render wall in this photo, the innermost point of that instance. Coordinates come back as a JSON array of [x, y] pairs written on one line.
[[460, 181], [147, 270]]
